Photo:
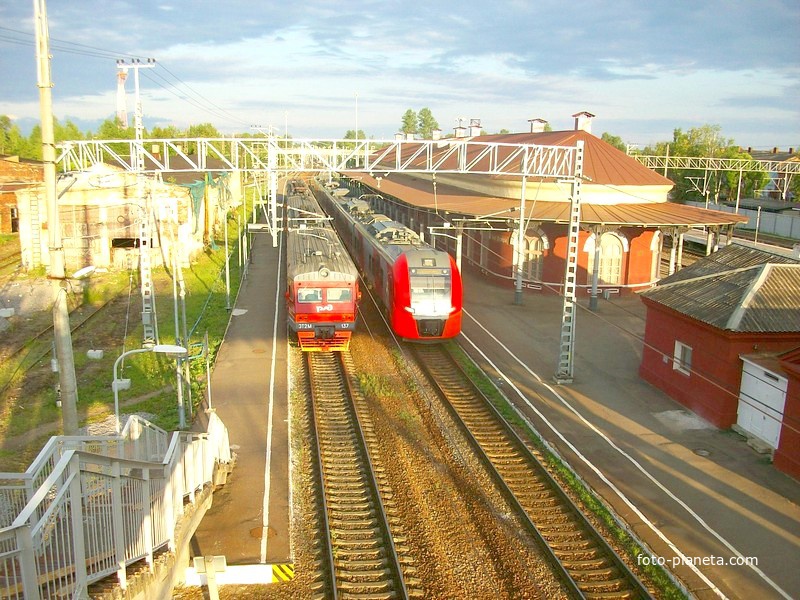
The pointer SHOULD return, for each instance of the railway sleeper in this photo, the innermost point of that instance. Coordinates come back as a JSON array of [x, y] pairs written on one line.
[[368, 596], [595, 575], [352, 513], [570, 544], [358, 574], [613, 586], [346, 480], [618, 595], [364, 541], [557, 534], [353, 504], [361, 590], [354, 534], [569, 555], [598, 562]]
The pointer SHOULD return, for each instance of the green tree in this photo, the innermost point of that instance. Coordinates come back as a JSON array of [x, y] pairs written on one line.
[[706, 141], [794, 184], [409, 122], [351, 135], [111, 129], [170, 132], [426, 123], [202, 130], [614, 140], [12, 142]]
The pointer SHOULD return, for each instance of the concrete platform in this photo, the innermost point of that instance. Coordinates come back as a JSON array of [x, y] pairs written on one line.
[[248, 521]]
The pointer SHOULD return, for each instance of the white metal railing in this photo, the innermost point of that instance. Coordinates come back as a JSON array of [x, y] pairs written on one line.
[[95, 504]]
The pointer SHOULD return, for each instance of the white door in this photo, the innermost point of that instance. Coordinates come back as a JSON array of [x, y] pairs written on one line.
[[762, 397]]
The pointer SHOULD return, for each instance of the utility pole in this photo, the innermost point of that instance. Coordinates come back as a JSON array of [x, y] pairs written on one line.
[[63, 339]]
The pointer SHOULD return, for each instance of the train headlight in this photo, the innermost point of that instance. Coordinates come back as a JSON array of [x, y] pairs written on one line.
[[410, 309]]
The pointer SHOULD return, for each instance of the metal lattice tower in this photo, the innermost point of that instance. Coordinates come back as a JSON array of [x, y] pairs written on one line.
[[145, 272], [567, 341]]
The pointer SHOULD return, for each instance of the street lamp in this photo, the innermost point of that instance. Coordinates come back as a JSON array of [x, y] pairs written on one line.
[[115, 384]]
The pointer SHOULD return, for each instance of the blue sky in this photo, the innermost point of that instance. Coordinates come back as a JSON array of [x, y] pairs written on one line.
[[320, 66]]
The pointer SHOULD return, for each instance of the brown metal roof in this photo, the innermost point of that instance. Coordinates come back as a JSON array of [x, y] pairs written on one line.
[[603, 164], [419, 192], [761, 298]]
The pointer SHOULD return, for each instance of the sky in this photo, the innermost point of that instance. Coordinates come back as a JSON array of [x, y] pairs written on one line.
[[319, 68]]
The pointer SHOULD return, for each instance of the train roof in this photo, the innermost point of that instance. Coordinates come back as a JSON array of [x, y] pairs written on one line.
[[313, 250], [390, 236]]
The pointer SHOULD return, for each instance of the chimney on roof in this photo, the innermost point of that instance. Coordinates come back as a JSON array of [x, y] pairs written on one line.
[[398, 136], [775, 150], [436, 134], [474, 127], [537, 125], [791, 150], [583, 121]]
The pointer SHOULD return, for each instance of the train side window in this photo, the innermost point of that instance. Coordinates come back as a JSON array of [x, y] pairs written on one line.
[[308, 295], [339, 294]]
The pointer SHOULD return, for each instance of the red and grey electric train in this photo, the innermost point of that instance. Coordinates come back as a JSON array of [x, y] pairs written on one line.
[[420, 286], [322, 290]]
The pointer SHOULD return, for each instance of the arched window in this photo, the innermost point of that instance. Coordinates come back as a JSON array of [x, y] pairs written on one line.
[[532, 267], [532, 256], [611, 253]]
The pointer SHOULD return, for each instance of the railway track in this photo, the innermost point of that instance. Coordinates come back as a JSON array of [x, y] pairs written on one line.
[[362, 557], [589, 566], [38, 346], [10, 262]]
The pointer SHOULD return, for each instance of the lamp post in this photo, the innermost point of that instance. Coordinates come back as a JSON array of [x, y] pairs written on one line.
[[160, 348]]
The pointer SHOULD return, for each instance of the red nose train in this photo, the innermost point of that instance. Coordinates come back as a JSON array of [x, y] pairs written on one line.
[[322, 282], [419, 286]]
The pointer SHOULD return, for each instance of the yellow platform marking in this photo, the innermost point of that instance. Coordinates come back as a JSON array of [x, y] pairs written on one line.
[[283, 572]]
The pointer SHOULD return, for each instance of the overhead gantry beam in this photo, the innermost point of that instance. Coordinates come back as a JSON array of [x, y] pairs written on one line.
[[788, 167], [289, 155]]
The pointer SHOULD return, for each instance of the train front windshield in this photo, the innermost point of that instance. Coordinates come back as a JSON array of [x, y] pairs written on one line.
[[430, 292]]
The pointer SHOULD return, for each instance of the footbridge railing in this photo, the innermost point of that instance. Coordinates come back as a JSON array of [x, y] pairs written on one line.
[[90, 506]]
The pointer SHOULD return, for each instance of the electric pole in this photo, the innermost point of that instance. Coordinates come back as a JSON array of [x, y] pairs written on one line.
[[63, 338]]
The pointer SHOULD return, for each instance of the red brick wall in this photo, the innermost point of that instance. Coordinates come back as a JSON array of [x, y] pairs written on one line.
[[787, 456], [712, 388]]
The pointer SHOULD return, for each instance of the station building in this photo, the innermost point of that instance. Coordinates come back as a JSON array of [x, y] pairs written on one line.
[[626, 215]]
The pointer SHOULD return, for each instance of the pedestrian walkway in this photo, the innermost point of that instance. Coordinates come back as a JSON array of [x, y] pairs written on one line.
[[683, 486]]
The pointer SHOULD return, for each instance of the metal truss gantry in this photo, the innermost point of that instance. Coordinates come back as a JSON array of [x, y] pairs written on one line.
[[272, 155], [781, 171]]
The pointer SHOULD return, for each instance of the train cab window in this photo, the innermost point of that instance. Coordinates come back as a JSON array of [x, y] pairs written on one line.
[[430, 294], [308, 295], [339, 294]]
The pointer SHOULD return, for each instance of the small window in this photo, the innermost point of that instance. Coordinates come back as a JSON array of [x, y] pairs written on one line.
[[339, 294], [682, 359], [308, 295]]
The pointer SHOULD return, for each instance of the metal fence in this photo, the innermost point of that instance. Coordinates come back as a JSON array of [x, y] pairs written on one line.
[[769, 223], [88, 507]]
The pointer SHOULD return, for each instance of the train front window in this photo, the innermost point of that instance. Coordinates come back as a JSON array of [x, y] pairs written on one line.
[[339, 294], [308, 295], [430, 294]]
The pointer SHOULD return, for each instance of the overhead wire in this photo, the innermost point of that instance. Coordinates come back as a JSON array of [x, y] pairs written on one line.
[[198, 100]]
